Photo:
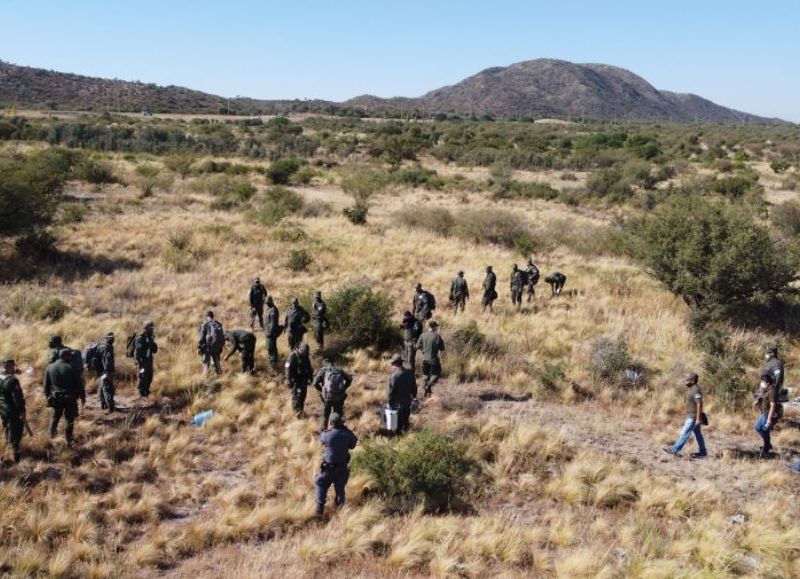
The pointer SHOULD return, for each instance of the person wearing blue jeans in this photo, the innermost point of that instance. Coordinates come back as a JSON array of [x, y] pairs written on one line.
[[693, 399], [767, 398]]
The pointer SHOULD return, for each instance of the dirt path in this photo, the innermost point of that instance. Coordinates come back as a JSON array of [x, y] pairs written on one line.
[[732, 463]]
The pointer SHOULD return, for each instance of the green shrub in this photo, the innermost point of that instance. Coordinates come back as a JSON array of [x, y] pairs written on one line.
[[362, 184], [417, 176], [734, 187], [38, 244], [281, 171], [73, 213], [180, 163], [279, 203], [357, 213], [786, 217], [94, 171], [51, 309], [287, 232], [304, 175], [609, 183], [780, 165], [437, 220], [425, 467], [298, 260], [361, 316], [30, 189], [150, 178], [711, 253], [230, 192]]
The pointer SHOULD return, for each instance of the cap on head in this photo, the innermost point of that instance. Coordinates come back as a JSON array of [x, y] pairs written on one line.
[[461, 273], [210, 314], [397, 360], [488, 268], [302, 347], [433, 324], [692, 378], [336, 419], [256, 279], [317, 294], [149, 325], [270, 301], [55, 342], [771, 349], [109, 337]]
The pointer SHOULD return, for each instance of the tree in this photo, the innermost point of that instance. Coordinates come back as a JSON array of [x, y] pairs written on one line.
[[362, 184], [711, 253]]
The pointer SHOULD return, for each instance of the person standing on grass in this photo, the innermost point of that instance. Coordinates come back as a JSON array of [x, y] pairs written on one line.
[[693, 400], [767, 399], [245, 342], [144, 347], [319, 319], [518, 283], [489, 289], [210, 343], [295, 323], [412, 330], [62, 389], [12, 406], [402, 392], [298, 376], [459, 292], [272, 331], [431, 344], [108, 368], [423, 303], [256, 297], [332, 383], [335, 470], [532, 272]]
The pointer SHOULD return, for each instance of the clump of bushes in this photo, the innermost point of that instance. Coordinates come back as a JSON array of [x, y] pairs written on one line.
[[94, 171], [427, 468], [609, 358], [179, 254], [281, 171], [278, 203], [229, 192], [786, 217], [417, 176], [362, 316], [150, 178], [298, 260], [51, 309], [288, 232]]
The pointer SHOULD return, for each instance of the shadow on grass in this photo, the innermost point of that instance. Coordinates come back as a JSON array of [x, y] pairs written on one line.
[[64, 265]]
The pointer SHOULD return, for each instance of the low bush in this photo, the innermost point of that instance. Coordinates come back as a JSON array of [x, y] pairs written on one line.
[[289, 233], [277, 204], [362, 184], [94, 171], [426, 467], [180, 163], [150, 178], [437, 220], [51, 309], [37, 245], [298, 260], [304, 176], [609, 358], [357, 213], [780, 165], [736, 186], [281, 171], [786, 217], [362, 317], [417, 176]]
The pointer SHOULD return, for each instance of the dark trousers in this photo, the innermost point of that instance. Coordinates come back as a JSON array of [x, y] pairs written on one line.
[[335, 475], [432, 371], [403, 416], [299, 398], [68, 408], [107, 393], [516, 296], [531, 292], [145, 380], [295, 337], [248, 356], [319, 333], [14, 427], [212, 358], [459, 302], [488, 299], [257, 312], [272, 351], [411, 355], [329, 406]]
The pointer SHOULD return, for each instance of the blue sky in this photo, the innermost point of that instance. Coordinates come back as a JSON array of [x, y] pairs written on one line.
[[739, 54]]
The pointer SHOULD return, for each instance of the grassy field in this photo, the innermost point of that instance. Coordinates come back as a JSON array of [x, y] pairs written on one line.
[[569, 479]]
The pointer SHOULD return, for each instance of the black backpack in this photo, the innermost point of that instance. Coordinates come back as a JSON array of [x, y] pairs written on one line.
[[429, 300], [93, 358], [130, 345]]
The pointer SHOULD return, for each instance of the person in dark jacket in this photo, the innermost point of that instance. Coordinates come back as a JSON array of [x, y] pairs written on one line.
[[518, 282], [56, 345], [144, 347], [402, 392], [412, 330], [319, 319], [245, 342], [63, 389], [489, 289], [423, 303], [532, 273], [332, 383], [211, 343], [295, 323], [298, 376], [335, 470], [272, 331], [12, 407], [766, 398], [108, 368], [556, 281], [459, 292], [256, 297], [430, 344]]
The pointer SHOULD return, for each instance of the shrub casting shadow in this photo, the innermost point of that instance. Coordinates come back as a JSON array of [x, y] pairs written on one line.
[[781, 315], [66, 265]]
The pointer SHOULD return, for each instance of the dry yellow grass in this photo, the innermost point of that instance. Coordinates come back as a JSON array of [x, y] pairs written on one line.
[[146, 493]]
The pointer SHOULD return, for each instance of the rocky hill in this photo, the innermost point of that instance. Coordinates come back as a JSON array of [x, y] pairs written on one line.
[[535, 88], [556, 88]]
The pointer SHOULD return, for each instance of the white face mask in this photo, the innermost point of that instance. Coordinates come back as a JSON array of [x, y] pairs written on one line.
[[764, 385]]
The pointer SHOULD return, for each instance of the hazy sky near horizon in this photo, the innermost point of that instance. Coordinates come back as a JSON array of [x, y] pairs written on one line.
[[737, 53]]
